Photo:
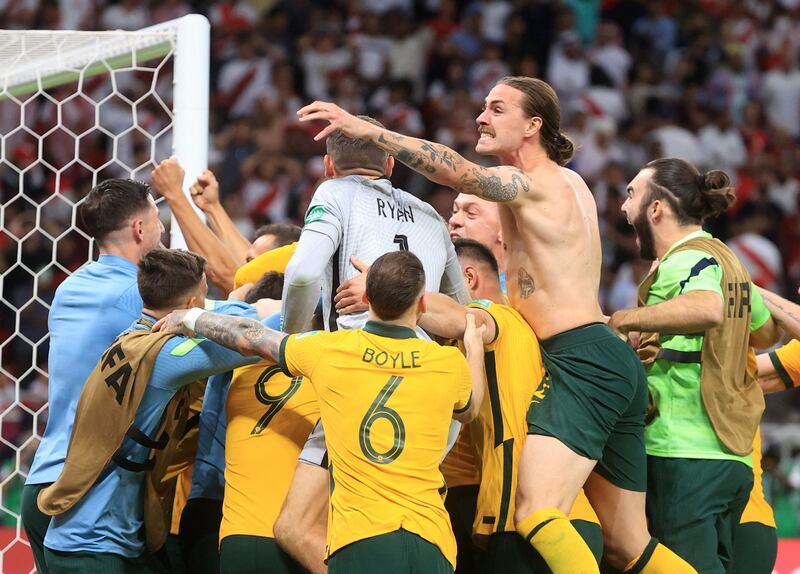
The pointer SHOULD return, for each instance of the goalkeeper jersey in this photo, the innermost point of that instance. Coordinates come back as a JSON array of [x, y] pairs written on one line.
[[365, 218]]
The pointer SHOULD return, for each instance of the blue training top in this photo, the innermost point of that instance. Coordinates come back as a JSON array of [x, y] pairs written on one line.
[[90, 308], [110, 517], [208, 476]]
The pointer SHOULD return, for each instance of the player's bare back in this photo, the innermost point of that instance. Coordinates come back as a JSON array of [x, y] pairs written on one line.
[[553, 254]]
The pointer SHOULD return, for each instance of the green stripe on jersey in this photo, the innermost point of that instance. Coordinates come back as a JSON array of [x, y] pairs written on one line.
[[185, 347]]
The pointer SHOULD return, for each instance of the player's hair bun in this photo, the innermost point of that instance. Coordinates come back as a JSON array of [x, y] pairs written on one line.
[[716, 191]]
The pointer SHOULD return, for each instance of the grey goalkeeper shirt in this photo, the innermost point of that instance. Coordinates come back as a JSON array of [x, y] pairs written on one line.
[[359, 217]]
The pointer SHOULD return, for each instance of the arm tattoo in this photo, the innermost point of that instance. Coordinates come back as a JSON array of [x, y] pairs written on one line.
[[778, 304], [525, 283], [492, 187], [247, 336], [447, 167]]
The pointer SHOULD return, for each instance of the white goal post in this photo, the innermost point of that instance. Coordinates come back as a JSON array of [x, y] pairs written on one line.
[[75, 108]]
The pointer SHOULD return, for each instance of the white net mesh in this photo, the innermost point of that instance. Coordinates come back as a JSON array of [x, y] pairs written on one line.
[[75, 108]]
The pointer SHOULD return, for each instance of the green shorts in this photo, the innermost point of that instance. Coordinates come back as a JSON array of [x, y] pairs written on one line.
[[509, 553], [240, 554], [694, 507], [35, 522], [398, 552], [461, 504], [755, 549], [83, 562], [594, 401], [199, 535]]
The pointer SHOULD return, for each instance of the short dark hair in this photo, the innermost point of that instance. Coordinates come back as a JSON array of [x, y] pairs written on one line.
[[692, 195], [285, 233], [111, 204], [351, 153], [167, 275], [394, 282], [476, 251], [270, 286]]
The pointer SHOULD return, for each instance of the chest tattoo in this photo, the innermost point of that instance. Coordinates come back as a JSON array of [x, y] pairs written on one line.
[[525, 284]]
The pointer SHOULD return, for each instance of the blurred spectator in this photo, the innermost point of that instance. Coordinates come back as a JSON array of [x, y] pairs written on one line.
[[782, 95], [125, 15], [244, 78], [568, 70], [610, 55], [723, 144]]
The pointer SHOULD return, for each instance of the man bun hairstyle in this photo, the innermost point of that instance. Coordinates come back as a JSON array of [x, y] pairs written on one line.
[[476, 251], [352, 153], [167, 276], [111, 204], [693, 196], [394, 283], [541, 101]]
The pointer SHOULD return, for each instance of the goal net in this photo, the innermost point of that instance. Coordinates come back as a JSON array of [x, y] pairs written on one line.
[[75, 108]]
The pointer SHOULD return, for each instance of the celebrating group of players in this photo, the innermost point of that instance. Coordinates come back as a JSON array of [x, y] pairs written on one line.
[[589, 443]]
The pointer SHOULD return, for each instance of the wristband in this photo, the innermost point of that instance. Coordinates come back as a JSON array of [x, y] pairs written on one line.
[[191, 316]]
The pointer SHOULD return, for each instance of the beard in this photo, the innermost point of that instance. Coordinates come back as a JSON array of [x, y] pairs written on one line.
[[644, 233]]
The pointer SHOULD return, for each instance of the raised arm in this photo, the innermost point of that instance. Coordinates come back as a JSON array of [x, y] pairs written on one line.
[[247, 336], [437, 162], [446, 318], [205, 194], [221, 268]]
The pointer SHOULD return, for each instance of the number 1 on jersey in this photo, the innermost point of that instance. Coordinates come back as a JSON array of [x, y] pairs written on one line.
[[379, 410]]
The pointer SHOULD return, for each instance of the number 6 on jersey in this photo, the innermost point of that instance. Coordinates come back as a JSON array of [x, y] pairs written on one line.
[[379, 410]]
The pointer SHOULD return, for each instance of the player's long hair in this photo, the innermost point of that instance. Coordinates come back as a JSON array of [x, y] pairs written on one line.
[[541, 101], [693, 196]]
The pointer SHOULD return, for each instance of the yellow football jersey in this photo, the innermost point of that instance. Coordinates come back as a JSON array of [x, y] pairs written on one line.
[[461, 466], [270, 417], [386, 400], [514, 370], [183, 487], [786, 361], [758, 509], [272, 260]]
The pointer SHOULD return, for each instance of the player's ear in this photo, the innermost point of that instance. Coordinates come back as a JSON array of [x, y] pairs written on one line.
[[421, 306], [389, 166], [330, 170], [657, 210], [470, 276], [364, 299], [533, 126], [137, 226]]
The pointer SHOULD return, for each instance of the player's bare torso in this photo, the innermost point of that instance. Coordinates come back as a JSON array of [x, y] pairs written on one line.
[[553, 254]]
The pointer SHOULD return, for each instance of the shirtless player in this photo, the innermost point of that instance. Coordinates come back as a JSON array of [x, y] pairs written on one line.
[[589, 425]]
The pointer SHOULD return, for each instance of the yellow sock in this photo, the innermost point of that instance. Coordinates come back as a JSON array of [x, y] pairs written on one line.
[[658, 559], [551, 533]]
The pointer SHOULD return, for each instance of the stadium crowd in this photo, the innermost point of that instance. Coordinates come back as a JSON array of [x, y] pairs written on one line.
[[715, 83]]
